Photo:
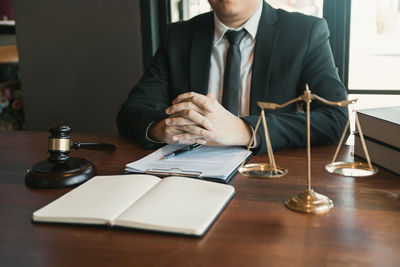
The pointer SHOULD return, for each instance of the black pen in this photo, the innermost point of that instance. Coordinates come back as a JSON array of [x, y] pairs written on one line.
[[182, 150]]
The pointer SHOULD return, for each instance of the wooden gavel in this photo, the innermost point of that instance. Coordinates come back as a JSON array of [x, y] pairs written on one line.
[[59, 170]]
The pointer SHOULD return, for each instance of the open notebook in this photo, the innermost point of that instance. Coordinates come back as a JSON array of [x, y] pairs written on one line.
[[173, 204]]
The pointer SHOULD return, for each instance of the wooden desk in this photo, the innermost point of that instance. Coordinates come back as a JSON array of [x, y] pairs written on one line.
[[255, 229]]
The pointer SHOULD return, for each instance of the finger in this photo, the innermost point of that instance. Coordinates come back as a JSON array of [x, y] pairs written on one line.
[[196, 131], [201, 141], [202, 101], [183, 96], [188, 139], [173, 121], [185, 105], [170, 131], [193, 116]]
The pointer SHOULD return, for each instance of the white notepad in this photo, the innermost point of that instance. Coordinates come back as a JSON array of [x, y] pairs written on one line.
[[173, 204]]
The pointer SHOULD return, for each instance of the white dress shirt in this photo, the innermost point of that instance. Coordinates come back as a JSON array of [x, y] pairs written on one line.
[[218, 55]]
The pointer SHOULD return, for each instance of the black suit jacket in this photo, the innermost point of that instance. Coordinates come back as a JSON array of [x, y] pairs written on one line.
[[291, 49]]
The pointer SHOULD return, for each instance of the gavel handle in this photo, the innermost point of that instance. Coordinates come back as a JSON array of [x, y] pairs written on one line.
[[93, 146]]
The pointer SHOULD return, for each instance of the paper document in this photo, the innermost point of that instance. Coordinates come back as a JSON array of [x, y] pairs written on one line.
[[219, 162]]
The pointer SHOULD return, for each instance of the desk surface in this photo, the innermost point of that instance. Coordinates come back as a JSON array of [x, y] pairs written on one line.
[[255, 229]]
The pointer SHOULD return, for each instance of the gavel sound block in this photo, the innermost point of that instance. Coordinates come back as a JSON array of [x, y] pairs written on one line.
[[59, 170]]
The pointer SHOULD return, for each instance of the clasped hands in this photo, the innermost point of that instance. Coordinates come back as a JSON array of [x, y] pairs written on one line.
[[196, 118]]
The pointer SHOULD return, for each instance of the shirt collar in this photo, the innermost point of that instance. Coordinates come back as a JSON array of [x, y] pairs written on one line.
[[251, 25]]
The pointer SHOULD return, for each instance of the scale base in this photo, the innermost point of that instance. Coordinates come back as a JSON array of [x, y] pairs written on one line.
[[262, 170], [353, 169], [310, 202], [47, 174]]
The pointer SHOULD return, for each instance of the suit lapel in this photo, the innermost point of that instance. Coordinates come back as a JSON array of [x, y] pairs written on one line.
[[266, 40], [200, 53]]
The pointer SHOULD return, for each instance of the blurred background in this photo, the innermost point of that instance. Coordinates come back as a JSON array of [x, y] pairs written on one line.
[[74, 62]]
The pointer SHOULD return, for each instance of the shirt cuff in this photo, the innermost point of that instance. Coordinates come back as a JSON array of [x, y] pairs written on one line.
[[147, 135]]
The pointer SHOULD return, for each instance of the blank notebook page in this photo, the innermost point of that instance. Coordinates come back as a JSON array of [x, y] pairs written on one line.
[[99, 200], [186, 205]]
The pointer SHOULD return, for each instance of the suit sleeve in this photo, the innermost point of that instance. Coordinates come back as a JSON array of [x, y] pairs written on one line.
[[326, 122], [147, 100]]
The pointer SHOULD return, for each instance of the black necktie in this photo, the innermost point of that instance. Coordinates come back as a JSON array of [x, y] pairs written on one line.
[[230, 94]]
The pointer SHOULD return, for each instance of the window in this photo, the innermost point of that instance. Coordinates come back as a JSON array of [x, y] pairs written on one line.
[[309, 7], [375, 45], [186, 9], [374, 54]]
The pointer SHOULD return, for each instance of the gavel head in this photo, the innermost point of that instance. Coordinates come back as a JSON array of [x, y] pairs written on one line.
[[59, 143]]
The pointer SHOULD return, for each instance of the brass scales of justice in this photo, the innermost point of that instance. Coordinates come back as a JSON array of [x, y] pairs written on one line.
[[308, 201]]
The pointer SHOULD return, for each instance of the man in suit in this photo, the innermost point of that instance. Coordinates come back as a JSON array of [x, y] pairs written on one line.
[[180, 97]]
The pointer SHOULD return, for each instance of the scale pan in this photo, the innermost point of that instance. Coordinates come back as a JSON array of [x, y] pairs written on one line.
[[353, 169], [262, 170]]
